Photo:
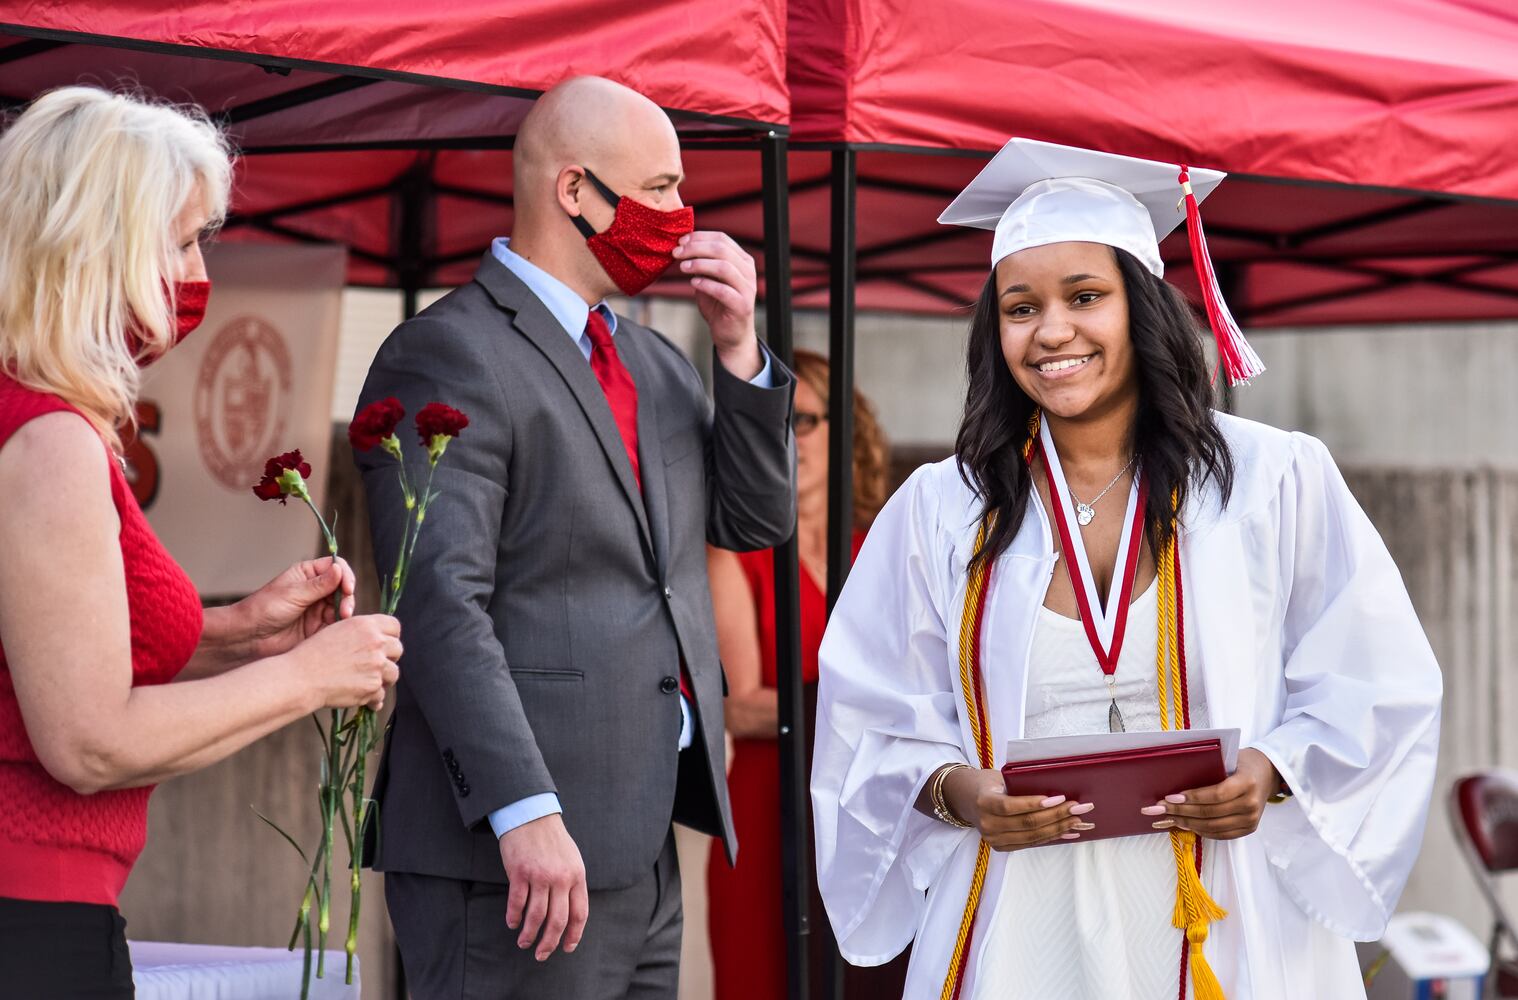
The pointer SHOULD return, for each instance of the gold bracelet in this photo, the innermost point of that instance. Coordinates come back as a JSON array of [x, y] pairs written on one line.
[[941, 808]]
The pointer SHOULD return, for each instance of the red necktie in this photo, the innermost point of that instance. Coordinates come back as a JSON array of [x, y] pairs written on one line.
[[622, 395], [617, 382]]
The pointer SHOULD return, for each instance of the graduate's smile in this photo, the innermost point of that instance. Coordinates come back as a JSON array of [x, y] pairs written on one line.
[[1062, 366]]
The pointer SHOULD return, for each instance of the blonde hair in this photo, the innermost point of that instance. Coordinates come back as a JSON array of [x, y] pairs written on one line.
[[91, 183], [871, 451]]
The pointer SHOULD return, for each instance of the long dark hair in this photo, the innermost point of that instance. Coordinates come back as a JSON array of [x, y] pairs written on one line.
[[1177, 442]]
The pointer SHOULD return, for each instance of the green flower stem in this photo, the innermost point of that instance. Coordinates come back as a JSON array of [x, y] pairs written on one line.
[[331, 800], [392, 596], [331, 540], [305, 968], [351, 947], [356, 852], [356, 837], [415, 531], [303, 915]]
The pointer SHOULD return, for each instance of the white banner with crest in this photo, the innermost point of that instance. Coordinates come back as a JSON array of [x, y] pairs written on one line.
[[254, 381]]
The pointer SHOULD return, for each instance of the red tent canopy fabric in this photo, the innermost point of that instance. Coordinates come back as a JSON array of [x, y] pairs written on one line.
[[1414, 94], [1398, 112], [713, 59]]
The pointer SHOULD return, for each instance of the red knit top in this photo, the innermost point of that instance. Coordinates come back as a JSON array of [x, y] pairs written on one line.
[[55, 844]]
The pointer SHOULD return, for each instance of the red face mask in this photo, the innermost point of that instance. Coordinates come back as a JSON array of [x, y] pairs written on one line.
[[190, 299], [640, 242]]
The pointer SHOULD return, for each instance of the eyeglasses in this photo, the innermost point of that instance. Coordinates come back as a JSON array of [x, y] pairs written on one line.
[[805, 422]]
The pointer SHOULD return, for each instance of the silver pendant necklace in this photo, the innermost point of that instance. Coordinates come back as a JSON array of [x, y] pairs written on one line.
[[1085, 512]]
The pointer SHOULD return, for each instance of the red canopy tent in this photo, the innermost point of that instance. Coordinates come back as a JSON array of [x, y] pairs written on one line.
[[388, 129], [429, 101]]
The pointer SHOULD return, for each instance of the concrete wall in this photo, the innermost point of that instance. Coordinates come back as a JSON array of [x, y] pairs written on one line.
[[1411, 396]]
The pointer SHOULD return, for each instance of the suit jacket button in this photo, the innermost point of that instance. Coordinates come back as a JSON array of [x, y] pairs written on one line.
[[669, 685], [463, 791], [668, 594]]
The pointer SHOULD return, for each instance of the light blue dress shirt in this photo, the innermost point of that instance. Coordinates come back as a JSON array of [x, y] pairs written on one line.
[[570, 310]]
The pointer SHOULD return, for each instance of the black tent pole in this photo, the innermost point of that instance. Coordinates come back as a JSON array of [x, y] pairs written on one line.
[[794, 846], [410, 228], [842, 272], [840, 549], [411, 201]]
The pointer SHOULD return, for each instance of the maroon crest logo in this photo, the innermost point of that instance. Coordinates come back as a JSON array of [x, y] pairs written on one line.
[[241, 399]]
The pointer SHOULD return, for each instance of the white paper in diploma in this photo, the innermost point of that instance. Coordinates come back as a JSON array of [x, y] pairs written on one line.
[[1049, 747]]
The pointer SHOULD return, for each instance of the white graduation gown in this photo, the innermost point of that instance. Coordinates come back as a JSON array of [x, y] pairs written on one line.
[[1306, 642]]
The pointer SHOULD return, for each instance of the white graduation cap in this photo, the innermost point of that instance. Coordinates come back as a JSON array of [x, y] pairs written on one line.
[[1036, 193]]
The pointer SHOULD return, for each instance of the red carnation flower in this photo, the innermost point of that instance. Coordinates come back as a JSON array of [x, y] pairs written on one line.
[[376, 423], [284, 476], [438, 424], [437, 419]]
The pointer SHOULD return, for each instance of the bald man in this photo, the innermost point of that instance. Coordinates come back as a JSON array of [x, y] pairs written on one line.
[[563, 699]]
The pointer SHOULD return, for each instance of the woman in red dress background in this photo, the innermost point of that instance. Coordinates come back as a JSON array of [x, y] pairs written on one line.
[[744, 915]]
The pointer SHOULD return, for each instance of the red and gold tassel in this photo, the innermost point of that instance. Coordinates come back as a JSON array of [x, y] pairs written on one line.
[[1238, 360]]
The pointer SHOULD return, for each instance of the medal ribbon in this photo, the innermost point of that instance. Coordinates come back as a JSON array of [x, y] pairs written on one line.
[[1106, 656]]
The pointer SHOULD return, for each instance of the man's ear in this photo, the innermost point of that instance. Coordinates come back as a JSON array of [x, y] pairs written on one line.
[[567, 187]]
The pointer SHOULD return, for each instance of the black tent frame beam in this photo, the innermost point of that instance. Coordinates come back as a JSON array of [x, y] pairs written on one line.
[[297, 236], [290, 99], [688, 139], [310, 205], [28, 48], [1388, 280]]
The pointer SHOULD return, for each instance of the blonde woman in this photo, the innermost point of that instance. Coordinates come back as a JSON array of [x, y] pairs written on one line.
[[111, 676]]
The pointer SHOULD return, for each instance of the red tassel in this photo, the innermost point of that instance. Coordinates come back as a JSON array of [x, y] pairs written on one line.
[[1239, 361]]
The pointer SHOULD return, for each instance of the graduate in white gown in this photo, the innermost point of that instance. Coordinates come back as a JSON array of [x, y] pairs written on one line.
[[1107, 552]]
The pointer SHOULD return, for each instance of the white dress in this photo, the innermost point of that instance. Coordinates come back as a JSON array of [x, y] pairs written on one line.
[[1089, 921]]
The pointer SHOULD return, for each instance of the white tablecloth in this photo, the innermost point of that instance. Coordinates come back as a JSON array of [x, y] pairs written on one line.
[[164, 971]]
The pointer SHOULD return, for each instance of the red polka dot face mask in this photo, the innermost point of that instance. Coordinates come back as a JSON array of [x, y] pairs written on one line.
[[190, 299], [640, 242]]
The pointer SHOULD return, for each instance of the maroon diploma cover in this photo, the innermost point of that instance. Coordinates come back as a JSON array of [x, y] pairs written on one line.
[[1120, 782]]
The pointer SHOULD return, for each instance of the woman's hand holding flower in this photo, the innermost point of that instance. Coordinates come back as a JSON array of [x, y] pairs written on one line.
[[296, 604], [349, 664]]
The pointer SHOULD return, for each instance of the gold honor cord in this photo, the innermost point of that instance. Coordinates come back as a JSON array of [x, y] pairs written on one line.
[[970, 685], [1194, 909]]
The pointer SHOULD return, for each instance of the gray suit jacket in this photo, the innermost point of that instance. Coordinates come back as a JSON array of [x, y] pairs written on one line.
[[549, 604]]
